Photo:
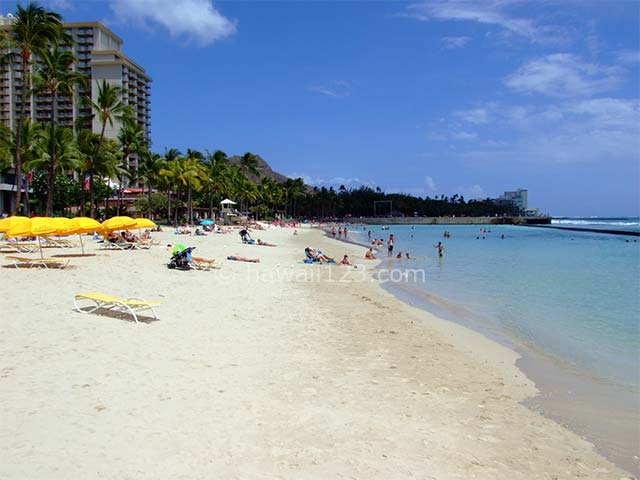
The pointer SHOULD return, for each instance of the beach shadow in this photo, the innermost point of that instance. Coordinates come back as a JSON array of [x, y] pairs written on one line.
[[73, 255], [123, 316], [36, 267]]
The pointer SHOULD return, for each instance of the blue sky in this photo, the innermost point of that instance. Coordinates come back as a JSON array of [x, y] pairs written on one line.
[[431, 98]]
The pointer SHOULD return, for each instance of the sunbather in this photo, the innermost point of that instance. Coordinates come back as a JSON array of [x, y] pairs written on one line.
[[345, 260], [369, 255], [317, 256], [266, 244], [243, 259]]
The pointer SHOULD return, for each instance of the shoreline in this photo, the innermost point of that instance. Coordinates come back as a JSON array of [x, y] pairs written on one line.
[[277, 369], [558, 384]]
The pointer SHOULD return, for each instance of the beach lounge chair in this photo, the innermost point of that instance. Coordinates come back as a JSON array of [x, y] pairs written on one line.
[[198, 263], [29, 262], [19, 247], [92, 301], [118, 246]]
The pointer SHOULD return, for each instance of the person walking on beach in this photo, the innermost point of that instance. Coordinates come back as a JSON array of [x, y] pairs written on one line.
[[339, 233], [344, 232], [390, 246], [333, 232]]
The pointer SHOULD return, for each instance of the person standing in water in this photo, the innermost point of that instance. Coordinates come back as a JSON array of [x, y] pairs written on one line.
[[390, 246], [440, 248]]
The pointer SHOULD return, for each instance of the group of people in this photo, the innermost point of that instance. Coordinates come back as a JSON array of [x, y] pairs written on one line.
[[246, 238], [339, 232], [123, 237]]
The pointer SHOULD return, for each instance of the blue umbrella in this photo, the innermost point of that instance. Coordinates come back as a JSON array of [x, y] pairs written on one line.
[[207, 222]]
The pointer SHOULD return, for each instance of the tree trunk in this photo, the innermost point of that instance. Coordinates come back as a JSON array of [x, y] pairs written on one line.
[[190, 207], [21, 117], [93, 162], [120, 193], [211, 205], [149, 202], [52, 153], [168, 205], [82, 212], [177, 210]]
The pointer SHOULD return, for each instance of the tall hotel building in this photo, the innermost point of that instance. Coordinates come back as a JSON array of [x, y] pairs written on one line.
[[99, 57]]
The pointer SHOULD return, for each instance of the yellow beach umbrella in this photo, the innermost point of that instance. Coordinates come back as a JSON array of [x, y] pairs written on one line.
[[118, 223], [80, 225], [84, 225], [144, 223], [7, 223], [62, 224], [35, 227]]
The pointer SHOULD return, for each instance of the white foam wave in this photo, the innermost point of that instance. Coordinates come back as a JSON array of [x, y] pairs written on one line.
[[594, 222]]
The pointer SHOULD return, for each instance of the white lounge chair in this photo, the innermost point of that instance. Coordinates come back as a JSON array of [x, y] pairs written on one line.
[[99, 300]]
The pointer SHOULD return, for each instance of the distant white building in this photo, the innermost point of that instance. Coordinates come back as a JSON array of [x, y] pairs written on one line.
[[519, 198]]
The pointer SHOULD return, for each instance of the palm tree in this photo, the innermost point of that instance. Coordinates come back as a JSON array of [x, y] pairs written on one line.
[[215, 175], [133, 140], [249, 164], [196, 172], [54, 74], [33, 30], [184, 173], [148, 171], [67, 154], [166, 178], [6, 155], [108, 107]]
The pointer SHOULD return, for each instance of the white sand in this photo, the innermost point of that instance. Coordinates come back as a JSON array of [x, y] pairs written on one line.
[[259, 371]]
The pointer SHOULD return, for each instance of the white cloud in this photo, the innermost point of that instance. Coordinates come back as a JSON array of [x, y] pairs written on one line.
[[431, 185], [628, 56], [575, 131], [474, 115], [564, 75], [335, 88], [455, 42], [336, 182], [473, 191], [464, 135], [489, 12], [197, 20]]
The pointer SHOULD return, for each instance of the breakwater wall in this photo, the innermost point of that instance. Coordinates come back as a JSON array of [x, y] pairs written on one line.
[[593, 230], [448, 220]]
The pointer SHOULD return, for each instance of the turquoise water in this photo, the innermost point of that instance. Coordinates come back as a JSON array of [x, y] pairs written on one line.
[[574, 296]]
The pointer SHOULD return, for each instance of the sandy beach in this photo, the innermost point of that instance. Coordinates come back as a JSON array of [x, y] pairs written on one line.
[[274, 370]]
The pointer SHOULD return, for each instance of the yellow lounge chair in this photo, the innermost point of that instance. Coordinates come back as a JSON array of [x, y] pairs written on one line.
[[100, 300], [29, 262]]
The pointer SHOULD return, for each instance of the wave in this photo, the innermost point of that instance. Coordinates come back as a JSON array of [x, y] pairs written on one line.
[[595, 222]]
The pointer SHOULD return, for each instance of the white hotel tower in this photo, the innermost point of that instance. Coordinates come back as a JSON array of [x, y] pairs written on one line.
[[99, 57]]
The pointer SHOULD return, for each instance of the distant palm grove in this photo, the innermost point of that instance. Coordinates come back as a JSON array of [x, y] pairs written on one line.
[[60, 170]]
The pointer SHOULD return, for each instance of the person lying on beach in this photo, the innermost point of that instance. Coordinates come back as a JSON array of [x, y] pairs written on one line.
[[345, 260], [130, 237], [200, 232], [317, 256], [243, 259], [266, 244]]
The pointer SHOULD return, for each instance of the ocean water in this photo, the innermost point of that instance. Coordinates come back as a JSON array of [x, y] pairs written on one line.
[[569, 297]]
